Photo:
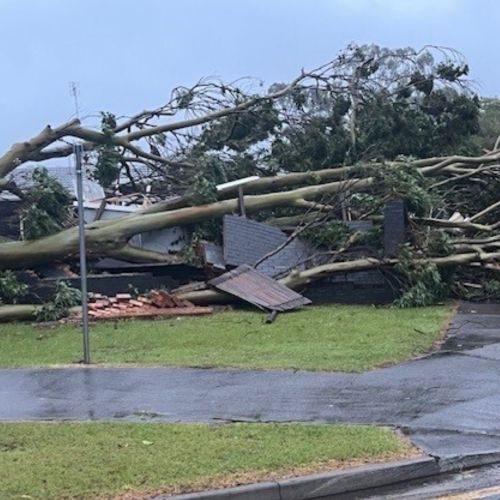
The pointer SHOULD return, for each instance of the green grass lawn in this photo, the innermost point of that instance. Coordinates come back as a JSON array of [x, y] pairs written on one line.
[[95, 460], [341, 338]]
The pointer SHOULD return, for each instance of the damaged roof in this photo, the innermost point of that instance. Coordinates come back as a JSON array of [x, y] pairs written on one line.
[[66, 175], [258, 289], [246, 241]]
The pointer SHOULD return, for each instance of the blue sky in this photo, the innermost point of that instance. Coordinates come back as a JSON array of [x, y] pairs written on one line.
[[126, 55]]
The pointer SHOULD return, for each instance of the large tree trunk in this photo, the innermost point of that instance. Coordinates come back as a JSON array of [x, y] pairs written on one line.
[[25, 312], [18, 312], [109, 238]]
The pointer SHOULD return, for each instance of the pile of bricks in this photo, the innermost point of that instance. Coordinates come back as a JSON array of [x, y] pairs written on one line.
[[157, 303]]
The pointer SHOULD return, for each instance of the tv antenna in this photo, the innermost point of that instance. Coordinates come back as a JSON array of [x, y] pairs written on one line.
[[74, 90]]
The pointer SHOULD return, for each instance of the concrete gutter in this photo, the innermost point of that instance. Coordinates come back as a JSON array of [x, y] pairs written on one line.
[[350, 481]]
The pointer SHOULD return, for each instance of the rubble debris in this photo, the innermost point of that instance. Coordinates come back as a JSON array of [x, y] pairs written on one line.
[[458, 217], [212, 255], [123, 297], [57, 270], [246, 241], [258, 289], [160, 299], [270, 317], [147, 277], [190, 287], [159, 303]]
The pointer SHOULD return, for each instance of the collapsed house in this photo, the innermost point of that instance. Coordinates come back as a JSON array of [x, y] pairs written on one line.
[[108, 276], [252, 257]]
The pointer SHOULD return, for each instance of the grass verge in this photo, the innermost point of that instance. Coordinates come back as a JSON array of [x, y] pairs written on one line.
[[337, 338], [108, 460]]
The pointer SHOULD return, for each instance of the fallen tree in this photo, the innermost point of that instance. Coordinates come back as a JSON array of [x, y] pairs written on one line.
[[110, 238], [335, 144]]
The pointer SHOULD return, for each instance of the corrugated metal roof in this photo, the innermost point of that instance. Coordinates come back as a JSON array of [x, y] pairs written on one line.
[[258, 289]]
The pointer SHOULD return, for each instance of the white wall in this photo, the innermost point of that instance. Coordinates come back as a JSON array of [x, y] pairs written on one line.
[[172, 239]]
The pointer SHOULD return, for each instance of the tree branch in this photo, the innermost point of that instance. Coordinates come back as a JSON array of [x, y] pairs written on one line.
[[27, 151], [299, 280], [135, 254]]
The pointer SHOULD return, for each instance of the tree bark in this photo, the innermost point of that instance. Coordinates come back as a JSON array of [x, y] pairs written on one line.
[[134, 254]]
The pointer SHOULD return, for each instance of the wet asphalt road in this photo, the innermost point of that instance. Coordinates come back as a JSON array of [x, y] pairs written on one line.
[[480, 483], [448, 402]]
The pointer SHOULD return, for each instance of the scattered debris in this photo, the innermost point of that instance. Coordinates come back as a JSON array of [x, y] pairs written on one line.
[[457, 217], [270, 317], [190, 287], [158, 303], [212, 255], [260, 249], [258, 289]]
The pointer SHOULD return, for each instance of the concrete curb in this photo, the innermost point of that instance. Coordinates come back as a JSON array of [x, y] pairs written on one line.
[[331, 484]]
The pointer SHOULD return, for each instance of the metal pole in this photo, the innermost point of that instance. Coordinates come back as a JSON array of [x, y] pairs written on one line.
[[83, 256]]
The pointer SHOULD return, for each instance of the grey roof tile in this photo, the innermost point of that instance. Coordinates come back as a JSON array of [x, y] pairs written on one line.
[[246, 241]]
